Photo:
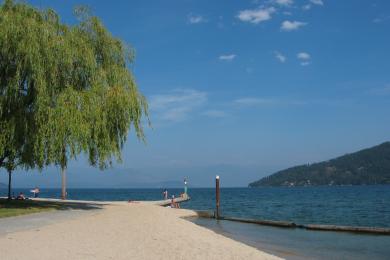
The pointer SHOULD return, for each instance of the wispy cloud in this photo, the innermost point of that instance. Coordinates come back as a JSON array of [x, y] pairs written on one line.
[[304, 58], [284, 2], [280, 57], [317, 2], [381, 19], [228, 57], [382, 91], [291, 25], [251, 101], [249, 70], [195, 19], [260, 102], [177, 105], [215, 113], [305, 63], [256, 16], [220, 24], [312, 2]]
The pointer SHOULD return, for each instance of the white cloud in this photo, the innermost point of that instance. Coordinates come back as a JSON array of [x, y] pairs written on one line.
[[317, 2], [305, 58], [249, 70], [214, 113], [255, 102], [256, 16], [381, 91], [312, 2], [250, 101], [194, 19], [220, 23], [284, 2], [291, 25], [228, 57], [381, 19], [177, 105], [280, 57]]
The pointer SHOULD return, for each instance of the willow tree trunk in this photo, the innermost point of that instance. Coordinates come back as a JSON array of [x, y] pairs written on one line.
[[9, 184], [63, 183]]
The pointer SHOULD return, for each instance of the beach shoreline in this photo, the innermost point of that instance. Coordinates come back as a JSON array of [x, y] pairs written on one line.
[[123, 230]]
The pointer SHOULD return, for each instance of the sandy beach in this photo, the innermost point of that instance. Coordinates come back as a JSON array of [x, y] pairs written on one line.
[[125, 231]]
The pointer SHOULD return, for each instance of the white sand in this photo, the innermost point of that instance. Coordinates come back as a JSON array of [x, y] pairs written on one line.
[[128, 231]]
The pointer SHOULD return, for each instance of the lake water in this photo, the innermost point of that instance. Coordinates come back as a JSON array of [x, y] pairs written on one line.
[[347, 205]]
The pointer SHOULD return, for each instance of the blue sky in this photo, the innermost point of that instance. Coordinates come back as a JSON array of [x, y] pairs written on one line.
[[245, 88]]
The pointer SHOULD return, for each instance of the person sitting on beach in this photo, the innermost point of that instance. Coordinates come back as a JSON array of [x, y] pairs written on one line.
[[21, 196], [173, 203]]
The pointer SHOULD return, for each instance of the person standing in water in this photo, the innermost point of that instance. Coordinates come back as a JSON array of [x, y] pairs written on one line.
[[36, 192], [165, 194]]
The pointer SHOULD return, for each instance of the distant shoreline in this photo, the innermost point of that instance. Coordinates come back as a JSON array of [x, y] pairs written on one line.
[[178, 188], [308, 186], [369, 166]]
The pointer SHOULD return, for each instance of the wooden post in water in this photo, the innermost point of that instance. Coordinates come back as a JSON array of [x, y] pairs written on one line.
[[217, 198]]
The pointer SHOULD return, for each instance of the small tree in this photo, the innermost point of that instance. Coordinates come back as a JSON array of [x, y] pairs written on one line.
[[83, 96]]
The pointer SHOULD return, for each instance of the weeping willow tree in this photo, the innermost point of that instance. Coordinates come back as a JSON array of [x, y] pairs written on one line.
[[14, 142], [73, 81]]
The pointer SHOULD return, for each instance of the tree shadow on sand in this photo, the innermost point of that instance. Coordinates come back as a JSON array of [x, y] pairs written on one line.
[[47, 205]]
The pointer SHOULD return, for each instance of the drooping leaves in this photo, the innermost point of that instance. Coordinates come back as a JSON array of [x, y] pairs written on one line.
[[64, 89]]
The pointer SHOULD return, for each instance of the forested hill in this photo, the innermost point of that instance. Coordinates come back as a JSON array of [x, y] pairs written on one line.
[[368, 166]]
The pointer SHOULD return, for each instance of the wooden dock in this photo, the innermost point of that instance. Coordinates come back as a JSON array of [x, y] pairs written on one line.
[[334, 228], [285, 224], [94, 202], [371, 230], [169, 201], [289, 224]]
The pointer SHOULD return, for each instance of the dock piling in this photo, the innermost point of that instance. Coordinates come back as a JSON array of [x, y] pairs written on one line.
[[217, 197]]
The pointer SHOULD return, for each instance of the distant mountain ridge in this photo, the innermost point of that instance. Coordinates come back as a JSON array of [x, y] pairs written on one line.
[[3, 186], [365, 167]]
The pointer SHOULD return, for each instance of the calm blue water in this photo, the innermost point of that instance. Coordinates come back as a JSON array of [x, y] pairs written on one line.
[[347, 205], [303, 244]]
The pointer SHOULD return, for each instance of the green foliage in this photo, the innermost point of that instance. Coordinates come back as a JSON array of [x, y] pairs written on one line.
[[369, 166], [11, 208], [64, 89]]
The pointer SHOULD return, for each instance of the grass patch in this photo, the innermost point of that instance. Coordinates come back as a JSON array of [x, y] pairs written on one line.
[[22, 207], [10, 208]]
